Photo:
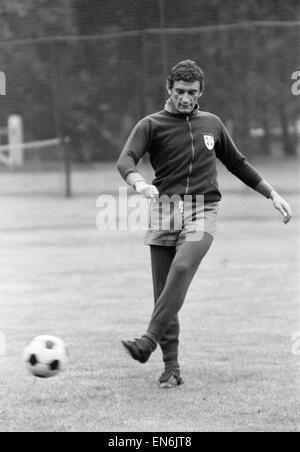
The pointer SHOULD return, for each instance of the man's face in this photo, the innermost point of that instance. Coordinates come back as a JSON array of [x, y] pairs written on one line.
[[185, 96]]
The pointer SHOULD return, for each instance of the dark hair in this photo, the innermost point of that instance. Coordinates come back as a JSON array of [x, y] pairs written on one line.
[[187, 71]]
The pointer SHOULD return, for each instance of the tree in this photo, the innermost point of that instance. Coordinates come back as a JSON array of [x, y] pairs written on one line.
[[107, 83], [28, 66]]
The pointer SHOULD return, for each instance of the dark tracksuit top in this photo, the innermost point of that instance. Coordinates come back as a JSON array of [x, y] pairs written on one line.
[[183, 151]]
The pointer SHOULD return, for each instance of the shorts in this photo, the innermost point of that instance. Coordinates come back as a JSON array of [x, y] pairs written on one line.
[[184, 221]]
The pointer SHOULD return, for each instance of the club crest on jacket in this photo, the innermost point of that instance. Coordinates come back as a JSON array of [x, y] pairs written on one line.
[[209, 142]]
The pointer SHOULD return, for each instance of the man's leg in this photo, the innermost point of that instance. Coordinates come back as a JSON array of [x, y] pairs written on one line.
[[161, 260], [180, 276]]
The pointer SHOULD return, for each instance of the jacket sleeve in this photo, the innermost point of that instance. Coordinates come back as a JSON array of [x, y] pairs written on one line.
[[234, 161], [135, 147]]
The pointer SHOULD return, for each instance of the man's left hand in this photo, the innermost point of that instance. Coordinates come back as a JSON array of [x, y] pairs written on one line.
[[281, 205]]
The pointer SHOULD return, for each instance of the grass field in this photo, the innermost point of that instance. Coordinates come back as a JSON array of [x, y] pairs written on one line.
[[61, 276]]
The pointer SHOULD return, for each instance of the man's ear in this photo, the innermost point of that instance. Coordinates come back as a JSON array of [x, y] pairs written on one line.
[[169, 89]]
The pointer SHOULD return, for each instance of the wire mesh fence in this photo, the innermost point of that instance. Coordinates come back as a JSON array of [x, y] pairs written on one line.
[[93, 89]]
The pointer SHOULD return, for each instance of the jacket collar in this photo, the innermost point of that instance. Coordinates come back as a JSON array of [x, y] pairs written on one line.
[[170, 108]]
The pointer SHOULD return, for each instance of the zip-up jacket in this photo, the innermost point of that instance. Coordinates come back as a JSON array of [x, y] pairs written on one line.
[[183, 151]]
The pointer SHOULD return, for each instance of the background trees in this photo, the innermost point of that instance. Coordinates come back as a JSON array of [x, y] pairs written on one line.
[[103, 85]]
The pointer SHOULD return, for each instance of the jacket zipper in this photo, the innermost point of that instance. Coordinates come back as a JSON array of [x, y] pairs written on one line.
[[193, 155]]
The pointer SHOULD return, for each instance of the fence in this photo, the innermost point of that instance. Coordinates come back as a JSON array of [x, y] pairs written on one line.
[[4, 159], [94, 88], [12, 153]]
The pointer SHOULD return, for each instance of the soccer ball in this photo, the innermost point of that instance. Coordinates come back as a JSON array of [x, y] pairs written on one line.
[[46, 356]]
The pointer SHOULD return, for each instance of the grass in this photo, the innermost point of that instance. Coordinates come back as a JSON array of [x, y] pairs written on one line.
[[60, 275]]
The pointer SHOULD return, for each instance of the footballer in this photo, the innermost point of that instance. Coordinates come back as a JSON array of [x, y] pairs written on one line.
[[183, 143]]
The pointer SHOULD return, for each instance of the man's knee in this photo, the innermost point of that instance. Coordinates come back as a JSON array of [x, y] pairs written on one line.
[[181, 268]]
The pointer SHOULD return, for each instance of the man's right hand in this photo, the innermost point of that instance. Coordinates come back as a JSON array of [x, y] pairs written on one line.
[[149, 191]]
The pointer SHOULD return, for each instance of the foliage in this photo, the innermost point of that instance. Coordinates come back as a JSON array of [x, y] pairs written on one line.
[[103, 86]]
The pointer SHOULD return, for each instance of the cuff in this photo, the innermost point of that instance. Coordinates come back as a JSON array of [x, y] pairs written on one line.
[[133, 178], [264, 188]]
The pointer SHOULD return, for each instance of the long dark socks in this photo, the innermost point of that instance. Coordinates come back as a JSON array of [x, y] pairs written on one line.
[[171, 295], [161, 260]]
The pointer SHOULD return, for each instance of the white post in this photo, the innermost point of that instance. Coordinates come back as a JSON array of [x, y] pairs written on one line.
[[15, 141], [2, 84]]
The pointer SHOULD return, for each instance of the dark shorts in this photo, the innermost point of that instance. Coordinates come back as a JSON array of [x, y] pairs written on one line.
[[183, 222]]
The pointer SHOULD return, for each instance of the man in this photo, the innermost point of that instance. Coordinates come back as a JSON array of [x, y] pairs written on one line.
[[183, 143]]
